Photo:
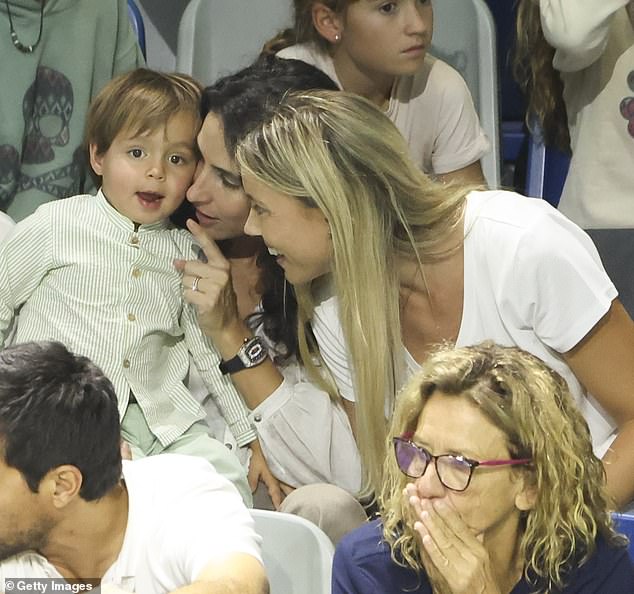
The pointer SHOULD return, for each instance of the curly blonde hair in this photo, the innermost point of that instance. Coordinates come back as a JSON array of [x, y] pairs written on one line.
[[338, 152], [534, 71], [532, 405]]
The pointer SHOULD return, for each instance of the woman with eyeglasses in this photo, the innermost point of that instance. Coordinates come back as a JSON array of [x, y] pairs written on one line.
[[386, 263], [491, 486]]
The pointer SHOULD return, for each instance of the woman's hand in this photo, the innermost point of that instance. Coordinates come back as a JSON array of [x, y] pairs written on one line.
[[259, 471], [456, 553], [214, 297]]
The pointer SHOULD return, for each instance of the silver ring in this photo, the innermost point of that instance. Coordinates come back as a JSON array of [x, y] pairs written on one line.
[[195, 283]]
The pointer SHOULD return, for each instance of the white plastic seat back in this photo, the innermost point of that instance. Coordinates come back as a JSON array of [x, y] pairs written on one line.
[[464, 37], [218, 37], [297, 554]]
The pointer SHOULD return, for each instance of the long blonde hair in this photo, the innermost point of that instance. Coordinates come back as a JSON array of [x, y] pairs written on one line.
[[534, 71], [532, 405], [339, 153]]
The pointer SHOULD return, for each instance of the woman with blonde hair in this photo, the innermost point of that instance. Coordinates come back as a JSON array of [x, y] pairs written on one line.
[[491, 485], [380, 50], [387, 263], [575, 60]]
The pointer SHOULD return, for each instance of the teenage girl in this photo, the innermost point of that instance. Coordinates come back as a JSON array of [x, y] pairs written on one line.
[[378, 49]]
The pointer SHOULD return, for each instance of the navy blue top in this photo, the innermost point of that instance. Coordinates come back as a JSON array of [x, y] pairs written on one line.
[[363, 565]]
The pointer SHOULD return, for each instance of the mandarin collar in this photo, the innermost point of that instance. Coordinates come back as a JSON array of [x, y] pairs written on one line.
[[124, 223]]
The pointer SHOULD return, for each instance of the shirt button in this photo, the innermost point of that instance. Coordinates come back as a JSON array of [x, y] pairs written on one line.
[[257, 417], [134, 240], [131, 317], [126, 363], [229, 446], [136, 272]]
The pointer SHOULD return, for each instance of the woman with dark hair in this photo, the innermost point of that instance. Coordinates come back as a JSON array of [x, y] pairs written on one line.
[[244, 303]]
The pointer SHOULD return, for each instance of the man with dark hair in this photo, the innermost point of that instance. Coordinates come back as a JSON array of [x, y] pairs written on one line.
[[69, 507]]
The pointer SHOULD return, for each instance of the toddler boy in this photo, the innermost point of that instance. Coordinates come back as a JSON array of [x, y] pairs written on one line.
[[96, 272]]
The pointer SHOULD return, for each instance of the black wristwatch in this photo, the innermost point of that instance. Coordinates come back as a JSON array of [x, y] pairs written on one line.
[[251, 353]]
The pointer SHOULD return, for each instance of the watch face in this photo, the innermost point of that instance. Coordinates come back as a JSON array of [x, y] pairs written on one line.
[[254, 351], [251, 353]]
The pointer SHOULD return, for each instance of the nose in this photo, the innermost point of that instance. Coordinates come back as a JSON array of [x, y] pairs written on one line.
[[429, 485], [199, 191], [252, 224], [418, 19], [157, 169]]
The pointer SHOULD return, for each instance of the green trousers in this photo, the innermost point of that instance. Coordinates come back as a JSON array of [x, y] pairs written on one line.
[[194, 442]]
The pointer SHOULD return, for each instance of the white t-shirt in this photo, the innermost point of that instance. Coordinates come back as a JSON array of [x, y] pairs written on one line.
[[433, 110], [182, 516], [594, 43], [532, 279]]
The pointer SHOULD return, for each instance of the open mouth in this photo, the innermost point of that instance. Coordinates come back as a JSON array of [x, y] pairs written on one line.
[[150, 199]]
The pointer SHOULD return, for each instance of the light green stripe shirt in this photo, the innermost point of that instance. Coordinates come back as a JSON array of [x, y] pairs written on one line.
[[83, 276]]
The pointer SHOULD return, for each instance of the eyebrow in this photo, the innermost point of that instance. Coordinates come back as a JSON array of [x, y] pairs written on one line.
[[452, 451], [233, 177], [187, 145], [140, 140]]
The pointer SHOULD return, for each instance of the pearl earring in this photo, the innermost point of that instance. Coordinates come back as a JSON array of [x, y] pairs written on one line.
[[337, 37]]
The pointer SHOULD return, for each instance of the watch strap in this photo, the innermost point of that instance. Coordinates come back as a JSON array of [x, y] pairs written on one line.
[[231, 366]]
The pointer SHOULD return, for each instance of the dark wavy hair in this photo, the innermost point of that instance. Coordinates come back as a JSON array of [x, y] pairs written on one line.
[[240, 100]]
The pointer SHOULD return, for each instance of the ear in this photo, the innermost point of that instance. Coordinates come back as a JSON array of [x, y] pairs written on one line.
[[96, 159], [327, 22], [62, 484], [526, 498]]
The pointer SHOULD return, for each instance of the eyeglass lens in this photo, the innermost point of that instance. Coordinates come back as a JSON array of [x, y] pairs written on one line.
[[452, 472]]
